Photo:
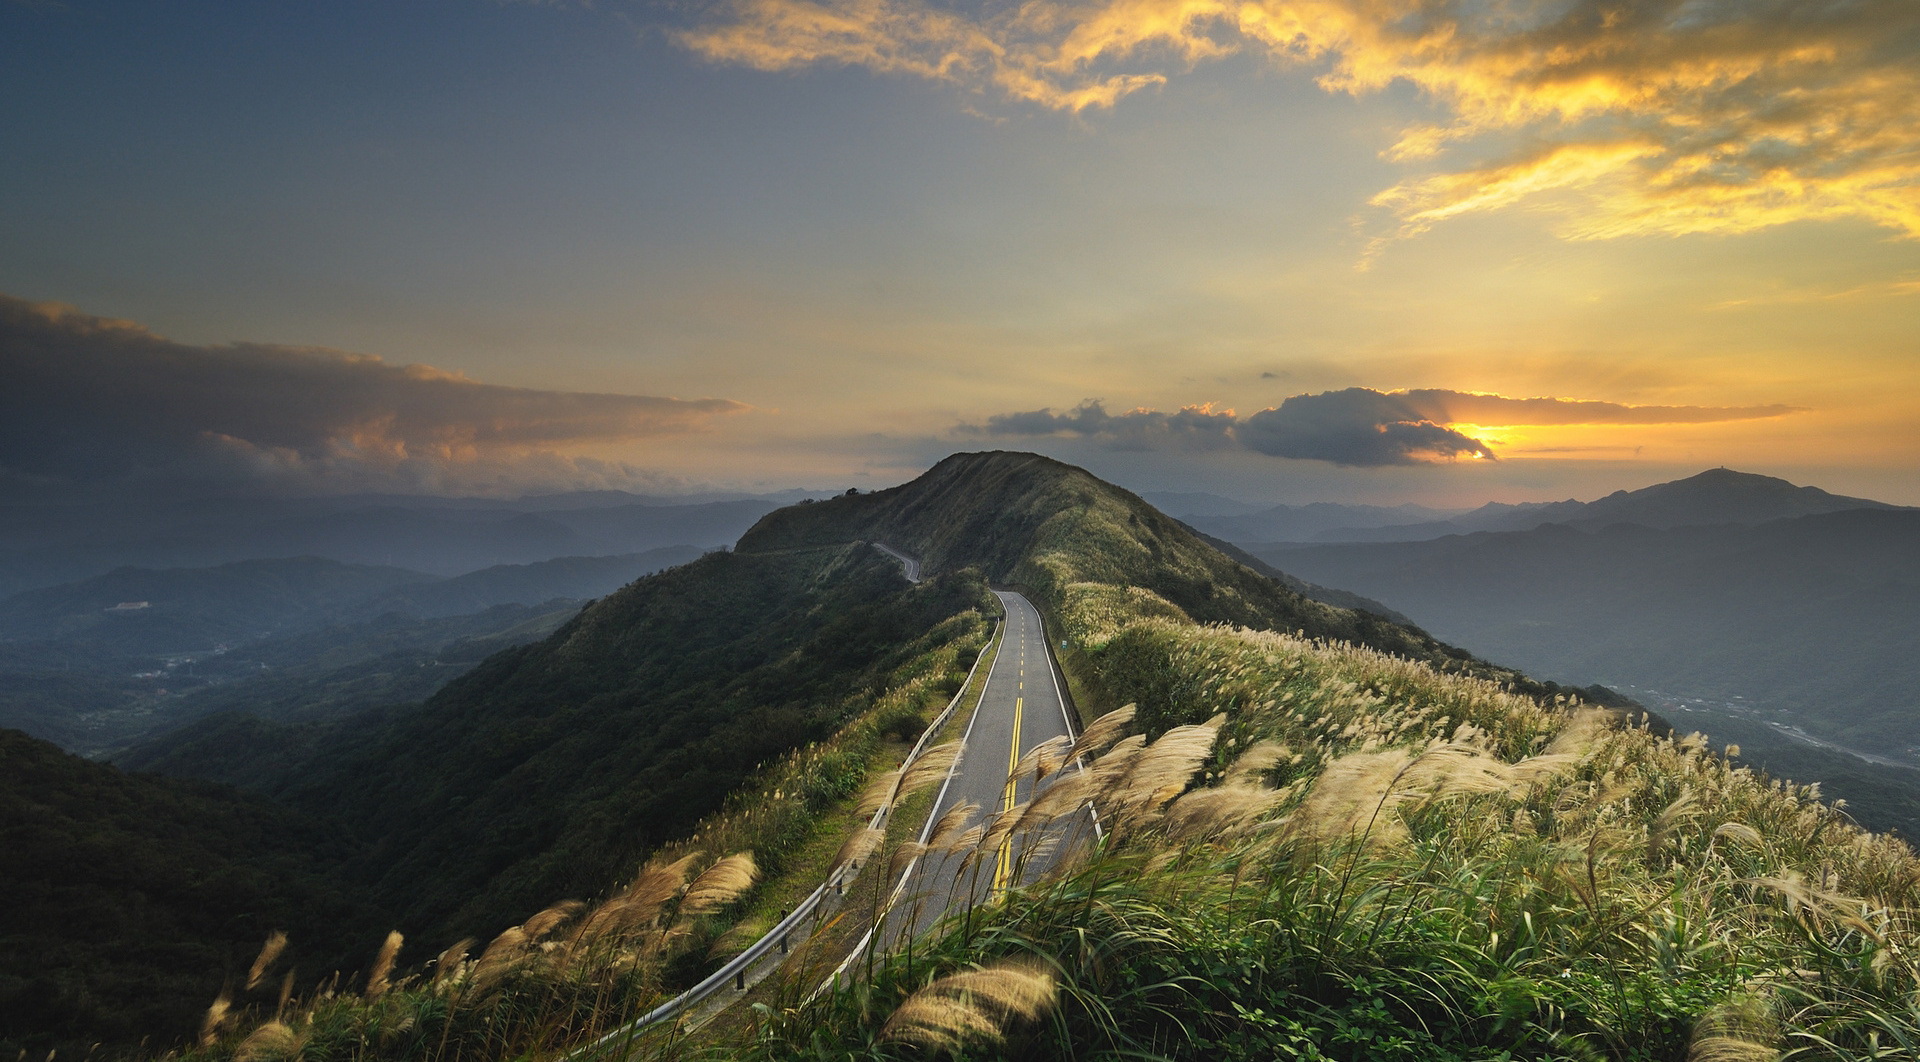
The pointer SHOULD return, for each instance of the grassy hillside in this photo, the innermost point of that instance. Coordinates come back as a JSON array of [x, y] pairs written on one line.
[[550, 769], [1380, 861], [126, 901]]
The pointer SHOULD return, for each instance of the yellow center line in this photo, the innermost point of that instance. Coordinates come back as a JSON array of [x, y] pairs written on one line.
[[1003, 863]]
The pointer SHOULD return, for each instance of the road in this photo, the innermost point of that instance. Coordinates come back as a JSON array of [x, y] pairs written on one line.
[[1020, 707], [911, 564]]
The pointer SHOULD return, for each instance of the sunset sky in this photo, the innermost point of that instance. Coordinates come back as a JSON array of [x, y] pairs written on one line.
[[1444, 251]]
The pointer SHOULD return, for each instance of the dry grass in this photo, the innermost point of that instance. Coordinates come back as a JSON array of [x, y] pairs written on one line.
[[977, 1006], [269, 952]]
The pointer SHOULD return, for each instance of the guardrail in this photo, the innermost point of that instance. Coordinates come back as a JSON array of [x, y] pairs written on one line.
[[734, 970]]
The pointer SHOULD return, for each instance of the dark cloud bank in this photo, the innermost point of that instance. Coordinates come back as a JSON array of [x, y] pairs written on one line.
[[1357, 427], [90, 400]]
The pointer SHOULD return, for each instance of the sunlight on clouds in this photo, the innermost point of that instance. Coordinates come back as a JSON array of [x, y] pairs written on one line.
[[1363, 428], [1653, 116]]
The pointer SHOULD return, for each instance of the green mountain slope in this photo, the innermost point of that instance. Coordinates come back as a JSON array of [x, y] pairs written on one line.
[[551, 769], [126, 901]]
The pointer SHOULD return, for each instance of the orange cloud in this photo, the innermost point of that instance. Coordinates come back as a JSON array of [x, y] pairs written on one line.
[[1643, 116]]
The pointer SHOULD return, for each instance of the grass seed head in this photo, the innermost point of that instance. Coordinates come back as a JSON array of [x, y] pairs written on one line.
[[383, 964], [216, 1017], [269, 951], [858, 848], [952, 824], [931, 767], [1103, 732], [977, 1006], [720, 884], [274, 1040], [878, 794], [450, 960], [551, 919]]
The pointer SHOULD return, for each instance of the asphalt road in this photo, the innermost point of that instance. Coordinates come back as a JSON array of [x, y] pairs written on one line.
[[911, 564], [1020, 707]]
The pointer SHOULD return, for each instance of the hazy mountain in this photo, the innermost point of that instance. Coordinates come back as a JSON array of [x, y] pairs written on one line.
[[141, 610], [99, 664], [576, 578], [98, 704], [1189, 505], [1815, 614], [1304, 523], [1716, 496], [51, 543]]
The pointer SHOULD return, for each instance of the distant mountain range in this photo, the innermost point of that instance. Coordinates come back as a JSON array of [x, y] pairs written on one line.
[[46, 545], [128, 655], [174, 610], [1726, 586], [1716, 496]]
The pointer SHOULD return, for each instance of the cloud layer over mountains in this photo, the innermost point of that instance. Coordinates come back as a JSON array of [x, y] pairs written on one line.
[[1357, 426], [94, 399]]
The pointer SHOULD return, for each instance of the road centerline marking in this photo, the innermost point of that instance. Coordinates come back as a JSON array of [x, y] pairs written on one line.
[[1003, 860]]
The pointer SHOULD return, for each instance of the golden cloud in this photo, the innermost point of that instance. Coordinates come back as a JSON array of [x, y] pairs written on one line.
[[1641, 116]]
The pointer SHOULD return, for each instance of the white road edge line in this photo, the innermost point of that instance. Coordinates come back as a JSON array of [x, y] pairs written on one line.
[[933, 814]]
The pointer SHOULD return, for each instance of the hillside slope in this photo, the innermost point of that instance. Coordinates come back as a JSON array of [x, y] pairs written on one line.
[[126, 901], [550, 769]]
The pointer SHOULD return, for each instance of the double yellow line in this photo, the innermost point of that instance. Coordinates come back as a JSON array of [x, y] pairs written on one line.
[[1003, 864]]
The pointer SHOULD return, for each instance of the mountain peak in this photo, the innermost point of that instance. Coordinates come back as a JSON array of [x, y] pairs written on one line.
[[1717, 496]]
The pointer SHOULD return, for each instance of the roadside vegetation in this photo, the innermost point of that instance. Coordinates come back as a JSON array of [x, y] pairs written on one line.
[[1320, 851], [574, 971]]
